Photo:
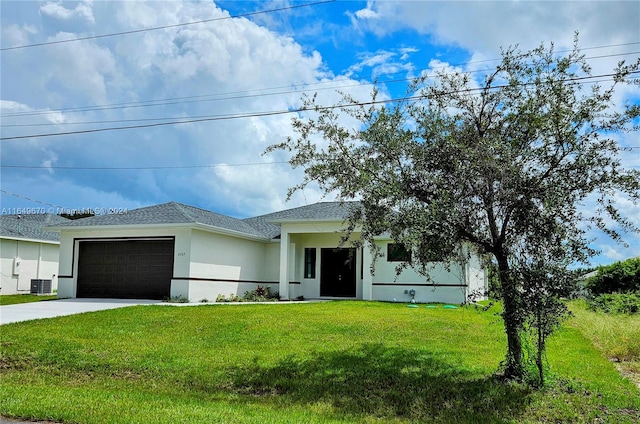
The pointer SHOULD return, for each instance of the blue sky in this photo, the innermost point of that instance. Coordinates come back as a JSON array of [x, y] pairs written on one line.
[[234, 65]]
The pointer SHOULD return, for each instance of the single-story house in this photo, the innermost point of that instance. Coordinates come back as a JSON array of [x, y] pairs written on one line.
[[27, 252], [174, 249]]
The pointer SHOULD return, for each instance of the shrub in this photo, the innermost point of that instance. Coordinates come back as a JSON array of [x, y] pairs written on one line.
[[176, 299], [260, 294], [232, 298], [619, 277], [616, 303]]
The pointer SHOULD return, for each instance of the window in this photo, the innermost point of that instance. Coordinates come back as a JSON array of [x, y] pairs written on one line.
[[309, 262], [397, 252]]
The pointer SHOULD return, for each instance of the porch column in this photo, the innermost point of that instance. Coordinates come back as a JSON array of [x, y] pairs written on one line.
[[283, 287], [367, 278]]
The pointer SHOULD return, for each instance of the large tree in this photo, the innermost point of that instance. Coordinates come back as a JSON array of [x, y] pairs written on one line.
[[505, 164]]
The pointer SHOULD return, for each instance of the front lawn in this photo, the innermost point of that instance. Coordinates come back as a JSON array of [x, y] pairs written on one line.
[[295, 363], [13, 299]]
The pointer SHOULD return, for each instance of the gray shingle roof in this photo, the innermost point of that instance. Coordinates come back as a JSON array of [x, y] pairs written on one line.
[[167, 213], [30, 226], [264, 226], [323, 211]]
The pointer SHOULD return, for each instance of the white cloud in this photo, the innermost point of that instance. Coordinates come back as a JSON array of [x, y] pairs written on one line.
[[82, 69], [383, 62], [82, 12], [17, 35], [195, 68], [9, 106], [486, 26]]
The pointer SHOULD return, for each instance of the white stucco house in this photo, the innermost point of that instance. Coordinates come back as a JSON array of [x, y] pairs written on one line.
[[27, 252], [174, 249]]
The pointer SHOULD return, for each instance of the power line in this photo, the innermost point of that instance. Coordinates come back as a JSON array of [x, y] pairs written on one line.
[[31, 200], [238, 94], [277, 112], [136, 31]]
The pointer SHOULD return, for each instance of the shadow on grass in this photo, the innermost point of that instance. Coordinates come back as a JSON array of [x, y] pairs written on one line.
[[384, 382]]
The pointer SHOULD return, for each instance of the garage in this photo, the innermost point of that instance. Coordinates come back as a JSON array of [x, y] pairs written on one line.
[[125, 269]]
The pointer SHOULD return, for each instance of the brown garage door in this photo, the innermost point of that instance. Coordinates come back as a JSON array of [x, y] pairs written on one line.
[[125, 269]]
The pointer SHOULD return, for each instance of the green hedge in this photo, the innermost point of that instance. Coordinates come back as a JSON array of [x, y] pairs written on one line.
[[619, 277]]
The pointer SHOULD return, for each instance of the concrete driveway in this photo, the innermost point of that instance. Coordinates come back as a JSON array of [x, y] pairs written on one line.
[[56, 308]]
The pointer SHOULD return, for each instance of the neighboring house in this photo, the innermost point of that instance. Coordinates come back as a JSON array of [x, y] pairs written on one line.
[[27, 252], [178, 250]]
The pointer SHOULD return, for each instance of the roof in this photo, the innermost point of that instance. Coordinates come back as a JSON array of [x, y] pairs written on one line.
[[264, 226], [30, 226], [323, 211], [166, 213]]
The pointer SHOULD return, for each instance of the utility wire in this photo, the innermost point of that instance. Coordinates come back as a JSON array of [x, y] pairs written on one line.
[[238, 94], [136, 31], [32, 200], [282, 112]]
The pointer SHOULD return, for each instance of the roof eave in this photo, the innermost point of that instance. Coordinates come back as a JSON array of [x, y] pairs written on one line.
[[228, 232], [197, 225], [30, 240], [117, 226], [303, 220]]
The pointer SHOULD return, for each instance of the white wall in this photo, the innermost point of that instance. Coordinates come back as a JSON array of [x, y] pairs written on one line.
[[445, 285], [224, 257], [225, 265], [37, 261], [477, 277], [271, 264]]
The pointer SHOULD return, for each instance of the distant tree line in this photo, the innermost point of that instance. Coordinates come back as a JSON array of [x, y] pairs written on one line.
[[77, 215]]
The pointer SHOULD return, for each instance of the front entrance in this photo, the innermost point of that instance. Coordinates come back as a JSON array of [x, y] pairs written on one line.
[[338, 273]]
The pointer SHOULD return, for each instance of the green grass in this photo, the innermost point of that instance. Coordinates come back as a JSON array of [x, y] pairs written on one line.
[[617, 336], [291, 363], [13, 299]]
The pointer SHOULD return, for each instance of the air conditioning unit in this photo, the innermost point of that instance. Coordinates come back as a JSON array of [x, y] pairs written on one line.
[[40, 286]]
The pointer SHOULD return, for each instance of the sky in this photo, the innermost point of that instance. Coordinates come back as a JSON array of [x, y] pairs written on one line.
[[239, 69]]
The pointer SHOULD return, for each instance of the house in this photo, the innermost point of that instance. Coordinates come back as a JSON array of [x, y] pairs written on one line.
[[27, 251], [174, 249]]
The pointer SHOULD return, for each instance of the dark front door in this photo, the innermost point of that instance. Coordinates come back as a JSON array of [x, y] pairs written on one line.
[[338, 272], [125, 269]]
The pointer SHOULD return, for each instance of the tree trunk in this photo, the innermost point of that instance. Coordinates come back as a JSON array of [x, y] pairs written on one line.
[[512, 321], [541, 348]]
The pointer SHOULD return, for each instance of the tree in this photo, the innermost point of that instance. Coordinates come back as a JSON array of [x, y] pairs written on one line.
[[504, 165], [618, 277]]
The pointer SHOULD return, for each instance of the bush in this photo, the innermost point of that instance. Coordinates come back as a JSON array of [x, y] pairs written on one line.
[[619, 277], [176, 299], [260, 294], [616, 303]]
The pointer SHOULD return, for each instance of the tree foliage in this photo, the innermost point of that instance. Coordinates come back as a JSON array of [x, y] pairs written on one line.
[[503, 165], [619, 277]]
